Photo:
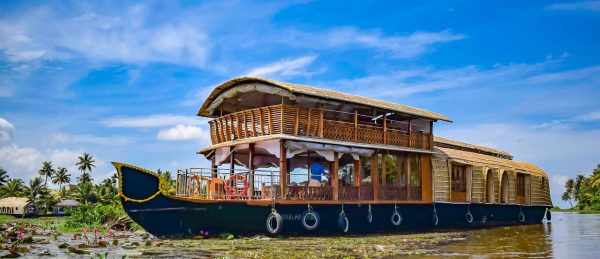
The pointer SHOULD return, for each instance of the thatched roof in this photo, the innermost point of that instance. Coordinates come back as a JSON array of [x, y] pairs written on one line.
[[469, 147], [14, 202], [471, 158], [319, 93], [67, 203]]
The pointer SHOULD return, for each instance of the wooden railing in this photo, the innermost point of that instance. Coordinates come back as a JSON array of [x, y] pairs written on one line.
[[297, 121]]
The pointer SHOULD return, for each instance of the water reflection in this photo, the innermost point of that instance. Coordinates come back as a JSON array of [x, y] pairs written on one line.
[[569, 235]]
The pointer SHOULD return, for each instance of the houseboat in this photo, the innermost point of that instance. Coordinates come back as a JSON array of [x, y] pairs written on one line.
[[293, 159]]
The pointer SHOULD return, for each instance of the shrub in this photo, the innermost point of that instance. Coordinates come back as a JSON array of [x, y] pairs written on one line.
[[94, 214]]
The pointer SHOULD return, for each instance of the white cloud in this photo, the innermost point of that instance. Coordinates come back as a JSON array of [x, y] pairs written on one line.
[[406, 46], [62, 138], [561, 152], [576, 6], [284, 68], [156, 120], [6, 132], [126, 37], [182, 132]]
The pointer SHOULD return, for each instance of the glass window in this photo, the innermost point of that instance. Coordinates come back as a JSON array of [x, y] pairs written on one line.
[[346, 170], [459, 178], [415, 171], [391, 170], [365, 163], [401, 164], [520, 184]]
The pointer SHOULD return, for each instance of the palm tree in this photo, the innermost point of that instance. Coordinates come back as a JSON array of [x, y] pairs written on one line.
[[46, 171], [35, 189], [85, 164], [63, 193], [61, 177], [3, 176], [13, 188], [84, 192]]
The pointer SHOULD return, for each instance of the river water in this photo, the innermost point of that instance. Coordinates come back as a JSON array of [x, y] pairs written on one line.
[[568, 235]]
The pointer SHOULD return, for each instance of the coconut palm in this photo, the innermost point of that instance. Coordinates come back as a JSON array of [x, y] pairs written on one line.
[[3, 176], [85, 164], [13, 188], [61, 177], [63, 193], [35, 189], [84, 192], [46, 171]]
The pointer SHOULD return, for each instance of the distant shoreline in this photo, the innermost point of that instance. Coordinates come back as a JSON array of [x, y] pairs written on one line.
[[575, 211]]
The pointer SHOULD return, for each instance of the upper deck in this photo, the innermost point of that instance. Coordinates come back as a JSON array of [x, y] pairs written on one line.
[[248, 107]]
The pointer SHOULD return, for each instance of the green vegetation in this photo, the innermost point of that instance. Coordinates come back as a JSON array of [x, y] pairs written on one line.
[[100, 205], [583, 193]]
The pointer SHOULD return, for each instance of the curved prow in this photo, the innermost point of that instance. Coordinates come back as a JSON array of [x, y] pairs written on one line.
[[139, 185]]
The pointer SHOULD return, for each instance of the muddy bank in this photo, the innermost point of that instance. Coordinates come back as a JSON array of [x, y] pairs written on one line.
[[37, 237]]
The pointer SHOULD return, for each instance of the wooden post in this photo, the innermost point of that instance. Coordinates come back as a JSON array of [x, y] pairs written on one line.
[[238, 126], [355, 125], [245, 124], [384, 175], [271, 129], [221, 129], [261, 122], [251, 170], [357, 175], [231, 160], [297, 121], [407, 176], [431, 135], [253, 123], [281, 119], [335, 183], [308, 123], [399, 169], [410, 140], [213, 167], [321, 122], [385, 129], [374, 176], [282, 169]]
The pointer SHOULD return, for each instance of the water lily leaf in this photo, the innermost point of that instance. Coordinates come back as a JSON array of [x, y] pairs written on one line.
[[77, 251]]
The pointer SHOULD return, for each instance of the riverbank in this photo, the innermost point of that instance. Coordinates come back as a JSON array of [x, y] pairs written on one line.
[[585, 211], [43, 236]]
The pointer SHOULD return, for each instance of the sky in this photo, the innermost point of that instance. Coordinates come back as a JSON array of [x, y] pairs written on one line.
[[123, 80]]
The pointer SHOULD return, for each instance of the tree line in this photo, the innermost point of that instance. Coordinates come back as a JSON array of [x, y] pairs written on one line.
[[84, 190], [583, 192]]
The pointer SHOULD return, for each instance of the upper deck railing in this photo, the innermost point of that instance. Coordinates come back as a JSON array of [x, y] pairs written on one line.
[[305, 122]]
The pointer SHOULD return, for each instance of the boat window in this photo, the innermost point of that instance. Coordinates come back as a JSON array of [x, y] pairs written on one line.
[[346, 170], [365, 171], [520, 184], [401, 164], [459, 178], [415, 171]]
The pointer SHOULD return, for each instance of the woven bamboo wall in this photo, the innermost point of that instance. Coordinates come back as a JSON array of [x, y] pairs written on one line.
[[496, 185], [478, 185], [441, 179], [512, 187]]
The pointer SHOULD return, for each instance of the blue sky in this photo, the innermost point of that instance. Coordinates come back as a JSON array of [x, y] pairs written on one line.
[[123, 80]]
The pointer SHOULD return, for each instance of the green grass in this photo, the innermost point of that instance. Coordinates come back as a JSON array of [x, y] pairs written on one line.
[[6, 217]]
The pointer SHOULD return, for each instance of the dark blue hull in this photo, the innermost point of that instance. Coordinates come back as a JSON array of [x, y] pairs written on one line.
[[166, 217], [144, 197]]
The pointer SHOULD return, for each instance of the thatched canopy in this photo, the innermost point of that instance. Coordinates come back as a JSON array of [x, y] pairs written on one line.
[[471, 158], [444, 142], [251, 92], [14, 202]]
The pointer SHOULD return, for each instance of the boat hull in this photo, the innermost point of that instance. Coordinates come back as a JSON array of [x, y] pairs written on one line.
[[145, 199], [170, 217]]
